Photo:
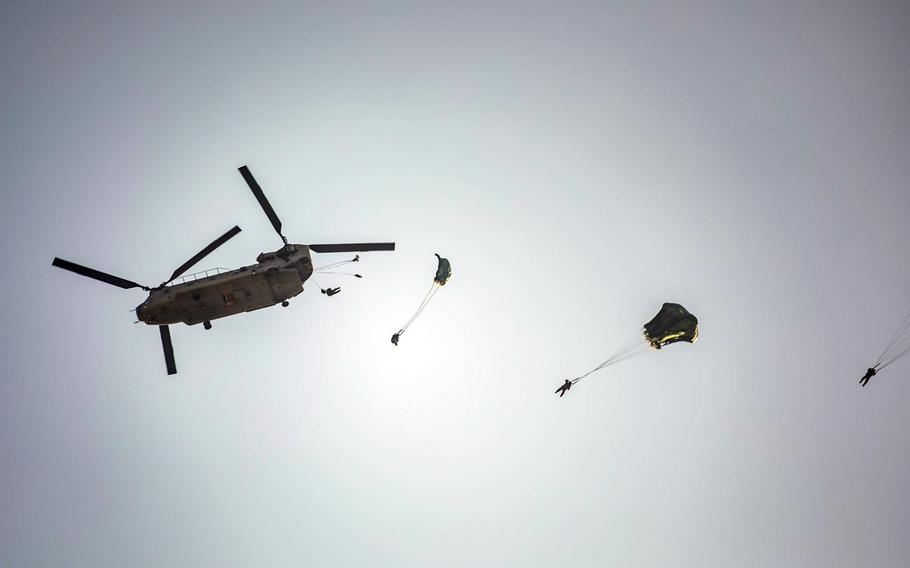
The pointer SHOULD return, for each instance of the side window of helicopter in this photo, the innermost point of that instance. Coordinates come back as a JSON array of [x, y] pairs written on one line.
[[229, 298]]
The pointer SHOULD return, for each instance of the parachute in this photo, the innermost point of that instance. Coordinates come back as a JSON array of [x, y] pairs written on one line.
[[673, 323], [443, 273], [896, 349]]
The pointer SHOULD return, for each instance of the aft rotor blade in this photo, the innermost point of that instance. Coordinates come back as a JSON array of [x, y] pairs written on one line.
[[353, 247], [205, 252], [168, 349], [262, 199], [96, 274]]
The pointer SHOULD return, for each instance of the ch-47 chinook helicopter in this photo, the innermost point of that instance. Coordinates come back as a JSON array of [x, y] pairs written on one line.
[[275, 278]]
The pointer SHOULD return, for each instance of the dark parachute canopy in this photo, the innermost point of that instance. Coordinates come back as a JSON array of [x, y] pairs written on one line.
[[443, 273], [673, 323]]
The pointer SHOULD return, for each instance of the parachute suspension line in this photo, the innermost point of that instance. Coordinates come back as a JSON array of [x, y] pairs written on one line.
[[610, 362], [343, 274], [899, 349], [633, 353], [431, 293], [633, 348], [895, 344], [434, 287], [337, 264], [420, 307], [894, 358]]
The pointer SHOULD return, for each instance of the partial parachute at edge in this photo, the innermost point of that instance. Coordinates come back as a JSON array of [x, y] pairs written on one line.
[[672, 324], [443, 273]]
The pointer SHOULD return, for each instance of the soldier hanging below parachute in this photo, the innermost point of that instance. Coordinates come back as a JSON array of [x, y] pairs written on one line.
[[673, 323], [443, 273]]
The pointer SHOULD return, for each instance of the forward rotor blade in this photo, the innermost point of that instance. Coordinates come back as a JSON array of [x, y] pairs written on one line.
[[205, 252], [353, 247], [168, 349], [263, 201], [96, 274]]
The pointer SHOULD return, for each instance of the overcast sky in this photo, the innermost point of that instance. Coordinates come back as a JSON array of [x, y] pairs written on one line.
[[579, 163]]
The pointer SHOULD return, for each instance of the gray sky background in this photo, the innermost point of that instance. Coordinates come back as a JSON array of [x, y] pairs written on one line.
[[580, 163]]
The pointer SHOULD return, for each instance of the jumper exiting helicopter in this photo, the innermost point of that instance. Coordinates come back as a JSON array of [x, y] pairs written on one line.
[[275, 278]]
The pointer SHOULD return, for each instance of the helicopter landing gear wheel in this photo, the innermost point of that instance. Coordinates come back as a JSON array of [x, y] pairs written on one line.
[[285, 304], [207, 324]]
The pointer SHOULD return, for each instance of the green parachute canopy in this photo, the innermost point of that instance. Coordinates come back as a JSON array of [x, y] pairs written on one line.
[[671, 324], [443, 271]]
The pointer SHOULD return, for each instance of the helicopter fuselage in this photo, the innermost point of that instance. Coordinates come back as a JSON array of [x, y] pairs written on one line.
[[275, 278]]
